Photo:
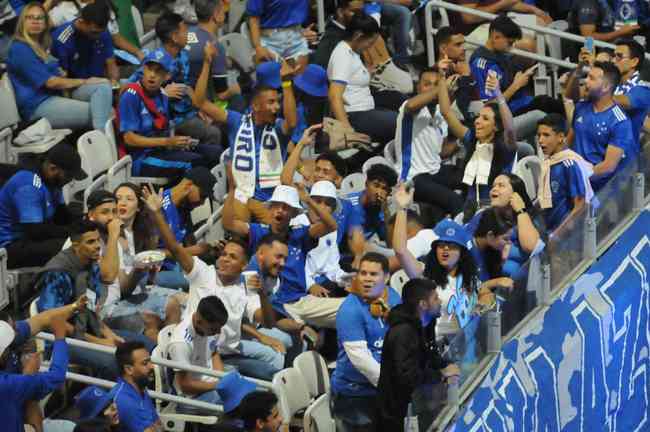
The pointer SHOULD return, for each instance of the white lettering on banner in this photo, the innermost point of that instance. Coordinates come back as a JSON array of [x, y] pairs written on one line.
[[536, 361]]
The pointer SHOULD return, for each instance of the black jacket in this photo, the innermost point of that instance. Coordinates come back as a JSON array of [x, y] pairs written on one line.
[[331, 37], [409, 359]]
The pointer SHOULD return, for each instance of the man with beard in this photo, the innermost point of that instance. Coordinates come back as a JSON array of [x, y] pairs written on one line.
[[34, 221], [602, 133], [135, 409], [410, 357]]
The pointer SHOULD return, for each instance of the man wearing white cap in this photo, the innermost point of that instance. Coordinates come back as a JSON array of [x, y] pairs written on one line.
[[285, 205]]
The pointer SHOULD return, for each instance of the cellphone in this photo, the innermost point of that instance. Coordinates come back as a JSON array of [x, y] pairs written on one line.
[[589, 44], [194, 142]]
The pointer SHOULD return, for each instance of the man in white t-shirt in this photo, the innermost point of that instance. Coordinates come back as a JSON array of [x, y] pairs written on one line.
[[420, 144]]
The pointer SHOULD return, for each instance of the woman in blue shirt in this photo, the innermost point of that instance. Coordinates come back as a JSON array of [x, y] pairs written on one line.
[[38, 80], [491, 237]]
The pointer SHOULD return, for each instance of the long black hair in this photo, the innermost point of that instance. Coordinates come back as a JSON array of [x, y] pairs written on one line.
[[491, 222], [439, 274], [143, 234]]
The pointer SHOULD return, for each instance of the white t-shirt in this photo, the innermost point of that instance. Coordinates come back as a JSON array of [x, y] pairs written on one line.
[[420, 244], [67, 11], [186, 346], [345, 66], [447, 323], [204, 282], [418, 141], [126, 263]]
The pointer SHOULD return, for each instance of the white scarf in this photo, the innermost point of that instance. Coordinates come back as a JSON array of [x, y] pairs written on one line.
[[244, 169], [479, 166]]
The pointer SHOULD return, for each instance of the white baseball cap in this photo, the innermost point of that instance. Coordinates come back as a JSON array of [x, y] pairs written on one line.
[[288, 195], [323, 188], [7, 335]]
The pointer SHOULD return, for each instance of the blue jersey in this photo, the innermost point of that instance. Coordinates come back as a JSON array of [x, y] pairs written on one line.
[[594, 131], [196, 40], [638, 92], [278, 13], [347, 219], [79, 55], [29, 73], [566, 184], [178, 221], [25, 199], [137, 411], [180, 109], [233, 124], [371, 221], [293, 285], [354, 323], [301, 123]]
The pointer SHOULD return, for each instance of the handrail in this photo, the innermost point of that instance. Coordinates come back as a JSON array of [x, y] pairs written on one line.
[[263, 385], [85, 379], [535, 56]]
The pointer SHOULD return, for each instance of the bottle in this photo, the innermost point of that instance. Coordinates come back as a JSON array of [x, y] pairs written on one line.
[[411, 421]]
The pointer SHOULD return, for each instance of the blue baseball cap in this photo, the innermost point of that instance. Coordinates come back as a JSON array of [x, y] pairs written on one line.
[[93, 400], [161, 57], [449, 231], [232, 388], [313, 81], [268, 74]]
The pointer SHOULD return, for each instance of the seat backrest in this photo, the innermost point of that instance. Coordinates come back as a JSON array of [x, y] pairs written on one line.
[[9, 114], [529, 169], [137, 21], [554, 43], [221, 186], [240, 49], [318, 417], [33, 308], [398, 280], [95, 151], [109, 131], [165, 336], [313, 368], [355, 182], [99, 183], [291, 390], [376, 160], [389, 152]]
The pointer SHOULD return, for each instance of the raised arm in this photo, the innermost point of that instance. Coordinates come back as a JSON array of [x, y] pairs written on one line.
[[228, 218], [455, 125], [403, 199], [109, 264], [509, 136], [291, 165], [288, 98], [326, 224]]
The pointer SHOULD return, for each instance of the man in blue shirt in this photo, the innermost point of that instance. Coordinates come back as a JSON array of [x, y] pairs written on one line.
[[136, 410], [16, 389], [187, 120], [361, 326], [602, 133], [84, 47], [633, 93], [34, 221]]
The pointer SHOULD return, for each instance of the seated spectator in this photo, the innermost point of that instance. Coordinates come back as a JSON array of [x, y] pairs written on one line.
[[144, 120], [490, 238], [419, 238], [311, 99], [34, 221], [602, 133], [420, 145], [193, 343], [490, 144], [16, 389], [135, 409], [225, 281], [72, 273], [232, 389], [335, 30], [633, 93], [350, 98], [39, 82], [276, 30], [84, 46], [360, 326], [599, 21], [183, 112], [371, 205], [260, 412], [95, 403], [564, 187], [66, 11]]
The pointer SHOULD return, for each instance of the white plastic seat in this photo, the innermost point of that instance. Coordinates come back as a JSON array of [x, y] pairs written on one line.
[[376, 160], [96, 159], [221, 186], [313, 368], [355, 182], [398, 280], [211, 230], [318, 417], [121, 171], [389, 152], [109, 131], [239, 48], [529, 169], [98, 184], [292, 393]]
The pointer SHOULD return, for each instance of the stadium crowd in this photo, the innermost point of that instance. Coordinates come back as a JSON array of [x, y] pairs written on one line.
[[347, 160]]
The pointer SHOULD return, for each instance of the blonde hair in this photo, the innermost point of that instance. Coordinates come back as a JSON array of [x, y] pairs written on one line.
[[41, 46]]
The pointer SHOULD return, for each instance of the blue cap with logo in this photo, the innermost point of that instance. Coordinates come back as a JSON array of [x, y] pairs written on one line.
[[93, 400], [449, 231], [161, 57], [268, 74], [232, 388]]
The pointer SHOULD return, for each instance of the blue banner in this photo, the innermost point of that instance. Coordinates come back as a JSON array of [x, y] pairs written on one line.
[[583, 365]]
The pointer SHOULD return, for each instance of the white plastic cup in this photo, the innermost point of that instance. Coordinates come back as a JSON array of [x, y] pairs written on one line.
[[247, 276]]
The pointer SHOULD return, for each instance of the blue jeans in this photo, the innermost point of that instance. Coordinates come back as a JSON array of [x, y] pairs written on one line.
[[210, 397], [400, 19], [172, 278], [89, 107], [258, 360], [286, 43]]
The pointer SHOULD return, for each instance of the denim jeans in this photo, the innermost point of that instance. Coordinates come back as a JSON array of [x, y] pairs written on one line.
[[258, 360], [286, 43], [400, 20], [210, 397], [89, 107]]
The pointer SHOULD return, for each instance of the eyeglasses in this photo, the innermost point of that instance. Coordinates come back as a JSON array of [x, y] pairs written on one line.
[[36, 17], [620, 56]]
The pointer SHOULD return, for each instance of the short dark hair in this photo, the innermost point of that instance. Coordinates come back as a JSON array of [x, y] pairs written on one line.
[[166, 24], [257, 405], [610, 73], [101, 424], [433, 70], [376, 258], [82, 228], [361, 22], [212, 309], [242, 244], [416, 290], [270, 238], [444, 35], [124, 353], [555, 121], [261, 88], [337, 161], [636, 50], [205, 9], [343, 4], [506, 27], [382, 173], [97, 13]]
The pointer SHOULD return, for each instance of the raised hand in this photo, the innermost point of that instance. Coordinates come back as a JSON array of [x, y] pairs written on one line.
[[403, 197], [152, 200]]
